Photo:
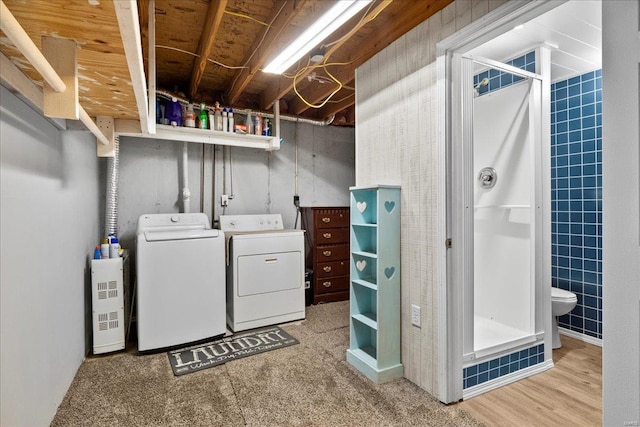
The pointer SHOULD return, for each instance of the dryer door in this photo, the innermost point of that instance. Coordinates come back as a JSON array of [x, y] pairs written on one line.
[[270, 272]]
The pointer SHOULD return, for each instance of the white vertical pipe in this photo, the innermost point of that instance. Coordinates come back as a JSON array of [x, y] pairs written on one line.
[[10, 26], [186, 194], [276, 120]]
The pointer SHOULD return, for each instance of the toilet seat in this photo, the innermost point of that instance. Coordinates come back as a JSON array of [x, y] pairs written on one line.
[[558, 294]]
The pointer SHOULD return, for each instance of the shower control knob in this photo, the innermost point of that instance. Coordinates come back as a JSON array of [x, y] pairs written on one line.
[[487, 177]]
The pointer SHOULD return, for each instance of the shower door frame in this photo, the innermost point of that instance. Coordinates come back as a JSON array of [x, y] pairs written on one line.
[[466, 97]]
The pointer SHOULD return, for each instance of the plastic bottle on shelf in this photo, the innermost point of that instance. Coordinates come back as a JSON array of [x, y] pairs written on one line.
[[203, 117], [266, 129], [104, 249], [173, 112], [225, 122], [114, 248], [217, 118], [257, 126], [190, 117], [97, 253], [231, 123], [249, 124]]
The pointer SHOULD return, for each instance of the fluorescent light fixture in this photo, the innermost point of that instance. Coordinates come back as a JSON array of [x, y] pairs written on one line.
[[518, 27], [318, 31]]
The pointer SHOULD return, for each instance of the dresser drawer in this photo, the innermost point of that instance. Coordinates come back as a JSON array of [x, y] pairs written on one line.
[[332, 284], [332, 269], [327, 253], [331, 218], [327, 236]]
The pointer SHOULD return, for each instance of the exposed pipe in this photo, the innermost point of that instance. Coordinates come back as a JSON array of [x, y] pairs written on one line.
[[186, 194], [111, 206], [184, 101]]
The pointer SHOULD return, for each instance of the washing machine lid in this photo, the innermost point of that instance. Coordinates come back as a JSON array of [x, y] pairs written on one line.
[[186, 233]]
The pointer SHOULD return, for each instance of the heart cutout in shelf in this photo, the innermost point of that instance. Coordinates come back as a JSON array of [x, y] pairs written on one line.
[[361, 265], [389, 206], [362, 206], [389, 271]]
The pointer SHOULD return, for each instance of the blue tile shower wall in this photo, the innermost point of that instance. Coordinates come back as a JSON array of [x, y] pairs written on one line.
[[501, 366], [499, 79], [576, 198]]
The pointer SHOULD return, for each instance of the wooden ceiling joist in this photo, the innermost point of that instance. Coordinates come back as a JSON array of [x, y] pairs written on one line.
[[263, 46], [207, 39], [127, 15]]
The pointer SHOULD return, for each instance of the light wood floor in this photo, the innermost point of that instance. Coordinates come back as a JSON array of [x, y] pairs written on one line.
[[570, 394]]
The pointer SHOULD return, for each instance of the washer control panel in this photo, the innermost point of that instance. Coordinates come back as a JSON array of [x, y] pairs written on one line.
[[251, 222]]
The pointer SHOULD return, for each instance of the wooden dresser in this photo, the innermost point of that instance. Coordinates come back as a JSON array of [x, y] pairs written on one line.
[[327, 247]]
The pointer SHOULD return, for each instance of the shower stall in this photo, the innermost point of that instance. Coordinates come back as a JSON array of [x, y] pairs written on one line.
[[503, 208]]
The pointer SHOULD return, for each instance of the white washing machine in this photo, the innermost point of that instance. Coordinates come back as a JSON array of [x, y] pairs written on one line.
[[180, 280], [265, 271]]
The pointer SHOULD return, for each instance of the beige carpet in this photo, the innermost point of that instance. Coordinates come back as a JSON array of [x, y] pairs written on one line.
[[309, 384]]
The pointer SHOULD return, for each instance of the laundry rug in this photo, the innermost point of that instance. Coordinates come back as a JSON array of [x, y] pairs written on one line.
[[203, 356]]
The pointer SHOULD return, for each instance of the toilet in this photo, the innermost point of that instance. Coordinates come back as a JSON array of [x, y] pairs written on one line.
[[562, 302]]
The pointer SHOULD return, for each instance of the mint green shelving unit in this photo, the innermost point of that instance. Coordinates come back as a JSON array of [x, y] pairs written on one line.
[[375, 282]]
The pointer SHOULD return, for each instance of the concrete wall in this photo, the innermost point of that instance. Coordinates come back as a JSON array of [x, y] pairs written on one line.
[[621, 216], [263, 182], [396, 114], [50, 216]]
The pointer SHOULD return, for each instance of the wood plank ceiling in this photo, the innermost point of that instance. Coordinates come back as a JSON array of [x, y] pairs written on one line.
[[213, 50]]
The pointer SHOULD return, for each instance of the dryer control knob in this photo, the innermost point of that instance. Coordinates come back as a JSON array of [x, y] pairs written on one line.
[[175, 218]]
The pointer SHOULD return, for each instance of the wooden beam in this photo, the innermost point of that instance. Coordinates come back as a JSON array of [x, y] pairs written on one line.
[[107, 125], [93, 128], [127, 14], [285, 86], [211, 27], [62, 54], [263, 46], [19, 37], [410, 15], [17, 81]]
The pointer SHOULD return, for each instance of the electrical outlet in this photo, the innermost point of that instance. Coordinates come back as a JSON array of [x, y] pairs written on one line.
[[224, 200], [415, 315]]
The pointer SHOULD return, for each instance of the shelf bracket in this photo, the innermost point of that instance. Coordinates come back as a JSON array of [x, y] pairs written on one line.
[[62, 54]]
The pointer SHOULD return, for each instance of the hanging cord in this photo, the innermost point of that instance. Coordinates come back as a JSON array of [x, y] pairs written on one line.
[[246, 17], [233, 84], [159, 46]]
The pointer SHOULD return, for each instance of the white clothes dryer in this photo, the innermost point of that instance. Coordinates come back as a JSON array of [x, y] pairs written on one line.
[[180, 280], [265, 271]]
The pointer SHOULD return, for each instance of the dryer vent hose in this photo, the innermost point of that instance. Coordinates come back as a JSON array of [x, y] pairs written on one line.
[[111, 206]]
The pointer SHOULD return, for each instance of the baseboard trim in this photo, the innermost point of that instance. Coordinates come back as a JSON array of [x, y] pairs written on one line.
[[582, 337], [506, 379]]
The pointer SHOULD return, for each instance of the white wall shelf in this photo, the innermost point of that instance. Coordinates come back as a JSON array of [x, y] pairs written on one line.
[[375, 282], [207, 136]]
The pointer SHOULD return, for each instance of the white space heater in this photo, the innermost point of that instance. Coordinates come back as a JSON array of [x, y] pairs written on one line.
[[107, 298]]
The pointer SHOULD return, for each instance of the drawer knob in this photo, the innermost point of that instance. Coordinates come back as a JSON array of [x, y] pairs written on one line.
[[327, 235], [326, 220], [327, 269], [326, 284], [326, 253]]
